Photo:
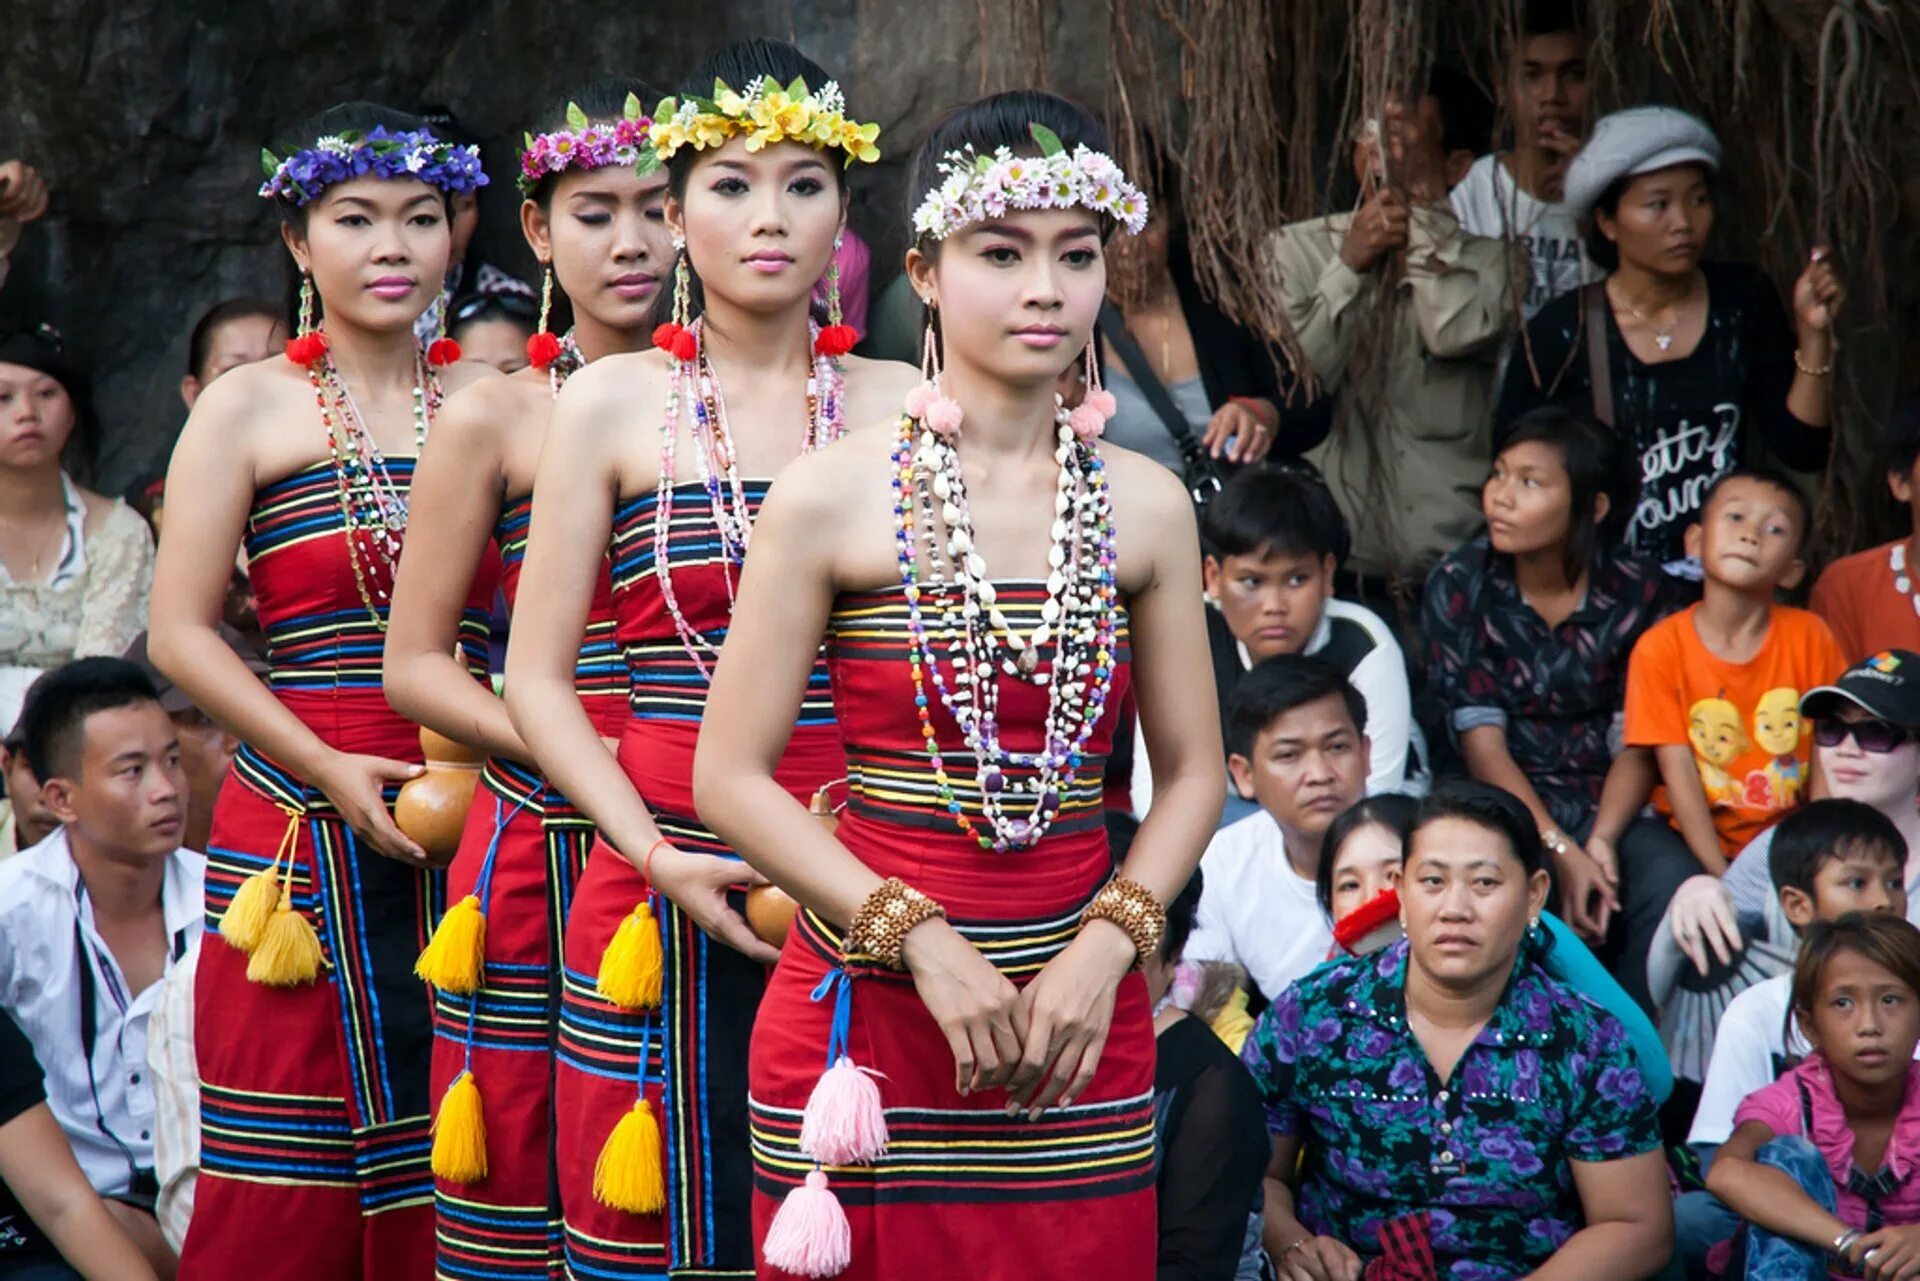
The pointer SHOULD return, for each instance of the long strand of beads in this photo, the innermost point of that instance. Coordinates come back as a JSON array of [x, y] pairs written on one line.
[[569, 362], [693, 386]]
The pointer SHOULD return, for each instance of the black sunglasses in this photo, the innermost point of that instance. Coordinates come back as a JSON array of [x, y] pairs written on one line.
[[1876, 737], [480, 304]]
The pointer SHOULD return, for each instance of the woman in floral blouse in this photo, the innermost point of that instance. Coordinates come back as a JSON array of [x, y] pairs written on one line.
[[1462, 1115]]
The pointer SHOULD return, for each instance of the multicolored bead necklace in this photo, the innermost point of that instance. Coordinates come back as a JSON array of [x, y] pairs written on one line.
[[563, 366], [372, 507], [1076, 622], [694, 385]]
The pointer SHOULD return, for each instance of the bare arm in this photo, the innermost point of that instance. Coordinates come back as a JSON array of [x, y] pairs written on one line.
[[454, 506], [1766, 1197], [1629, 1216], [1630, 780], [1297, 1254], [39, 1168], [1489, 760], [1688, 799], [1587, 902]]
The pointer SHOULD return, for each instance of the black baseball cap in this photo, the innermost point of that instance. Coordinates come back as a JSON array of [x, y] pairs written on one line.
[[1885, 686]]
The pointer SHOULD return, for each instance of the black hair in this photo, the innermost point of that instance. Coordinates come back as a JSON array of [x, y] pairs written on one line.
[[995, 121], [1771, 477], [1597, 462], [1279, 684], [1180, 916], [55, 717], [359, 116], [1466, 112], [1484, 805], [477, 306], [1903, 437], [1889, 941], [1819, 832], [737, 66], [200, 341], [1389, 810], [42, 349], [603, 100], [1553, 18], [1604, 253], [1275, 507]]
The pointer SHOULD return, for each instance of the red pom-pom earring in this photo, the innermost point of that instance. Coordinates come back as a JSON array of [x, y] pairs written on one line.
[[837, 338], [675, 337], [310, 343], [544, 347]]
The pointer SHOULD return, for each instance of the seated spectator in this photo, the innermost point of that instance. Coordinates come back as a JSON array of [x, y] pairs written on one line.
[[492, 324], [206, 750], [1480, 1119], [1697, 354], [1517, 194], [1821, 1163], [1871, 599], [1528, 631], [1207, 1121], [1715, 690], [235, 332], [1828, 859], [27, 821], [23, 198], [75, 568], [1412, 430], [53, 1225], [94, 917], [1865, 728], [1297, 737], [1359, 890]]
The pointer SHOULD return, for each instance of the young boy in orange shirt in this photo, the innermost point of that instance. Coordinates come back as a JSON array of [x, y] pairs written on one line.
[[1715, 690]]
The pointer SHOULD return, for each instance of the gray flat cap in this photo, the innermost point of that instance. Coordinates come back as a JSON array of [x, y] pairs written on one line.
[[1637, 141]]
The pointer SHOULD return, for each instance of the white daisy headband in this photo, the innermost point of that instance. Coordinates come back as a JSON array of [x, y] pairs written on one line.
[[975, 188]]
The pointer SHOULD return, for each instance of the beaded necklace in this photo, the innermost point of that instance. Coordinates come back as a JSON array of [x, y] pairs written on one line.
[[372, 507], [1902, 578], [694, 385], [566, 364], [1076, 623]]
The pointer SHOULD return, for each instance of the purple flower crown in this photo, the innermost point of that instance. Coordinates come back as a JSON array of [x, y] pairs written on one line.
[[303, 176], [584, 145]]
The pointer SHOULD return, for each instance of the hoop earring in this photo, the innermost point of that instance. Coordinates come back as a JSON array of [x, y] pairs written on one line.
[[309, 343], [543, 348], [836, 339], [675, 337]]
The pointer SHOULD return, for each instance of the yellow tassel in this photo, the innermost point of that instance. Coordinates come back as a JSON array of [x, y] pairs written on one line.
[[289, 951], [245, 923], [460, 1133], [456, 952], [633, 966], [631, 1172]]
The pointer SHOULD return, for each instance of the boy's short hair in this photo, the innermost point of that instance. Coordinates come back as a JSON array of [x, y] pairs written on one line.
[[1903, 437], [1821, 831], [1279, 684], [55, 717], [1275, 507], [1769, 476], [1889, 941], [1553, 18]]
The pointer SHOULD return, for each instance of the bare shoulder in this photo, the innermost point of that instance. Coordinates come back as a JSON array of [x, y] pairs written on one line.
[[1152, 514], [485, 410], [608, 391], [876, 388], [238, 408], [462, 374], [823, 482]]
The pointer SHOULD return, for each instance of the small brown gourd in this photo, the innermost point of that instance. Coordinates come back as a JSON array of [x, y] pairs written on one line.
[[770, 909], [432, 809]]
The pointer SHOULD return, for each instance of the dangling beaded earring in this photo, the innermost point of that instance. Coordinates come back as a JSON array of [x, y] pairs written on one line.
[[925, 401], [443, 351], [310, 343], [1089, 418], [675, 337], [544, 347], [837, 339]]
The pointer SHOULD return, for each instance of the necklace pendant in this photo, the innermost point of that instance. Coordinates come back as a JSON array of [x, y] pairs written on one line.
[[1028, 660], [1663, 341]]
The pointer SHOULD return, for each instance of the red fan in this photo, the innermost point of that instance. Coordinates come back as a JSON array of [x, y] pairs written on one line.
[[1371, 926]]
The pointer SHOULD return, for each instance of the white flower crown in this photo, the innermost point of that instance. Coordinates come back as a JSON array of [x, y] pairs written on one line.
[[975, 188]]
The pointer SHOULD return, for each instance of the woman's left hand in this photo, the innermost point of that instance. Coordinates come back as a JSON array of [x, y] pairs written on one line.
[[1063, 1016], [1818, 295], [1238, 432], [1891, 1254]]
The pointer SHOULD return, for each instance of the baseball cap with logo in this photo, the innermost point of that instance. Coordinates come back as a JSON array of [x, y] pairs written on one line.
[[1885, 686]]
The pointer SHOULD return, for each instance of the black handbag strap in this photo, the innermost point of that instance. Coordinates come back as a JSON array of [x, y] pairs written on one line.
[[1113, 327], [1593, 303]]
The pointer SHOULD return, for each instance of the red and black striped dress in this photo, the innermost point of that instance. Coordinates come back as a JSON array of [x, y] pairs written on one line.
[[521, 854], [314, 1133], [690, 1056], [963, 1189]]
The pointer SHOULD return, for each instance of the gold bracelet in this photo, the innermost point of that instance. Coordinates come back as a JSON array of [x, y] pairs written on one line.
[[1808, 370], [1132, 907], [879, 929]]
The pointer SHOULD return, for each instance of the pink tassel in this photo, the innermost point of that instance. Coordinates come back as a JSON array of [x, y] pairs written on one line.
[[1087, 422], [919, 399], [1102, 402], [810, 1235], [844, 1123], [943, 417]]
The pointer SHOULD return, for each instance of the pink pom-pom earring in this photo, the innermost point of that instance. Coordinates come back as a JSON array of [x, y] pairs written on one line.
[[925, 402]]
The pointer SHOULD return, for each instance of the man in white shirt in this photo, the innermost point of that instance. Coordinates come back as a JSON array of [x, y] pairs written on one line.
[[1517, 194], [1297, 737], [94, 917]]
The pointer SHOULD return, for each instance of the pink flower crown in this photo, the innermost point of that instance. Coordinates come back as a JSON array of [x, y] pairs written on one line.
[[975, 188], [584, 145]]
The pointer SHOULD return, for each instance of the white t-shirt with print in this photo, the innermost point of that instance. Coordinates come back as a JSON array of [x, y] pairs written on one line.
[[1489, 203], [1255, 910]]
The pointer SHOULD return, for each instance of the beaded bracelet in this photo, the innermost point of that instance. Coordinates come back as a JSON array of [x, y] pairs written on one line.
[[1132, 907], [880, 928]]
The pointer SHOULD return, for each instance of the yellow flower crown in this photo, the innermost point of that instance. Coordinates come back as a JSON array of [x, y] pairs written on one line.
[[764, 114]]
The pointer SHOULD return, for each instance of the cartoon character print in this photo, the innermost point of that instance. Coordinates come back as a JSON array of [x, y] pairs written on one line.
[[1777, 728], [1718, 737]]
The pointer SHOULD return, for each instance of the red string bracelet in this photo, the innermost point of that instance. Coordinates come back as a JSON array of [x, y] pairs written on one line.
[[646, 864]]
